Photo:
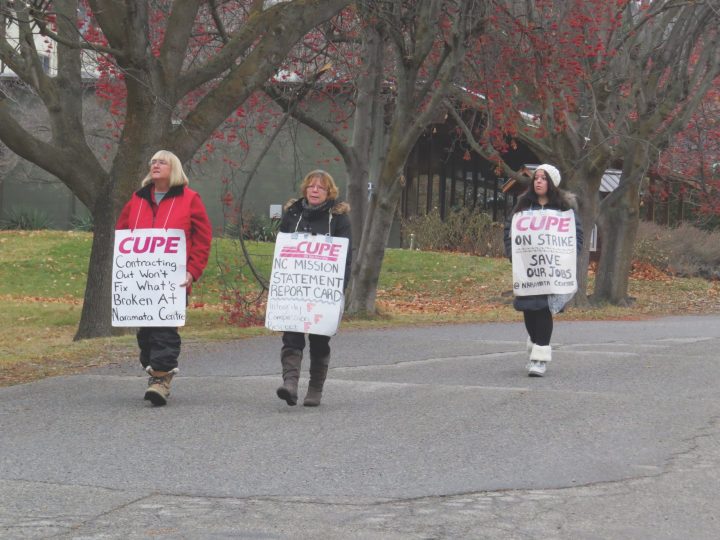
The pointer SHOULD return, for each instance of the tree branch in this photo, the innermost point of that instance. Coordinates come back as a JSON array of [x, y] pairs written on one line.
[[45, 30], [276, 20], [222, 32], [257, 67], [113, 18], [46, 155], [177, 35], [490, 153], [319, 127]]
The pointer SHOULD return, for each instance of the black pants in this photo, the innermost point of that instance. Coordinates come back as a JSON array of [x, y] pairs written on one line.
[[319, 345], [539, 325], [159, 347]]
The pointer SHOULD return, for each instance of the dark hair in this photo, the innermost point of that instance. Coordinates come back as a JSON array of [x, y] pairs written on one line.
[[529, 197]]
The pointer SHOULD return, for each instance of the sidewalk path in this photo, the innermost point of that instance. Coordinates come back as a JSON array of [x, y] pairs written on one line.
[[428, 432]]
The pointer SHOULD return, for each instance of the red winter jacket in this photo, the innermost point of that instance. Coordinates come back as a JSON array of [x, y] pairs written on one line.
[[181, 208]]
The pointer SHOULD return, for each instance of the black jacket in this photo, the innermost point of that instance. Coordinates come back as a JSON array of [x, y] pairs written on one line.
[[329, 218], [568, 201]]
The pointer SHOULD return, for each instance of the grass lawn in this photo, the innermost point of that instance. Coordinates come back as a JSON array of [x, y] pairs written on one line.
[[43, 273]]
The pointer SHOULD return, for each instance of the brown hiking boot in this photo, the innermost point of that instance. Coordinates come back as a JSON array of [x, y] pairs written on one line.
[[158, 390]]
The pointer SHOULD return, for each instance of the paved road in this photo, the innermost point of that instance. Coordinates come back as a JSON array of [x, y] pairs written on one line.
[[432, 432]]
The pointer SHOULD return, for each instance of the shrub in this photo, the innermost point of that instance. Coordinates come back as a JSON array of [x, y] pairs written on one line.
[[465, 230], [652, 245], [25, 219], [244, 309], [83, 223], [684, 250], [257, 228]]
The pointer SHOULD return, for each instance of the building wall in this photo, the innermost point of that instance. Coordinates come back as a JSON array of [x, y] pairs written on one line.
[[24, 186], [440, 173]]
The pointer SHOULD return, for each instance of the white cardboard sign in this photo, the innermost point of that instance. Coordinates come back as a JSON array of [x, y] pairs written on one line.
[[306, 284], [148, 267], [544, 256]]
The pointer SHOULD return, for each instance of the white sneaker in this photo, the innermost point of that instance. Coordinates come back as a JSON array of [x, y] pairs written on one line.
[[536, 369]]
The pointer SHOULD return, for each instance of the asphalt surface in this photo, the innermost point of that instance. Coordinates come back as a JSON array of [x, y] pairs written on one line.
[[426, 432]]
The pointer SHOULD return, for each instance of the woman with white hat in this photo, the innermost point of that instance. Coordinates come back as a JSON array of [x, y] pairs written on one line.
[[543, 194]]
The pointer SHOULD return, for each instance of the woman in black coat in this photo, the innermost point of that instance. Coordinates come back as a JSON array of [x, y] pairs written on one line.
[[318, 211], [544, 193]]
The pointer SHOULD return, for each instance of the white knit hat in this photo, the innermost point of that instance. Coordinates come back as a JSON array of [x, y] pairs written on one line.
[[552, 172]]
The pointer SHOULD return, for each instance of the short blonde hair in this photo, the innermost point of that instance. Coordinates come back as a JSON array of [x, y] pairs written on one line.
[[327, 181], [177, 174]]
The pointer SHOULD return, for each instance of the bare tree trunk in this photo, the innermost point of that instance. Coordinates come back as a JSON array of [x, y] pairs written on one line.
[[618, 225], [358, 198], [367, 127], [619, 220], [96, 313], [371, 252], [8, 161], [587, 193], [2, 191]]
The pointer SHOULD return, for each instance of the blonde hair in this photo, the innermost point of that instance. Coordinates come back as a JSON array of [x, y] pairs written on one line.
[[327, 180], [177, 174]]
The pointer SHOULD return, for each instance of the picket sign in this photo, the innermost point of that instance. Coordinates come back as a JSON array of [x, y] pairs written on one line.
[[544, 256], [306, 284], [148, 267]]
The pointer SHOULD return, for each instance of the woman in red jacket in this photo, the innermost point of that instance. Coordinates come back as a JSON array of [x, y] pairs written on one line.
[[165, 201]]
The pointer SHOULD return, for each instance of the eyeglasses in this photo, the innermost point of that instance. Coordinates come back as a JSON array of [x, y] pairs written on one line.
[[318, 187], [158, 162]]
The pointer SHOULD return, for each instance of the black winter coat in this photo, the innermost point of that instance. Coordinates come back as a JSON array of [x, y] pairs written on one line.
[[331, 218], [568, 202]]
